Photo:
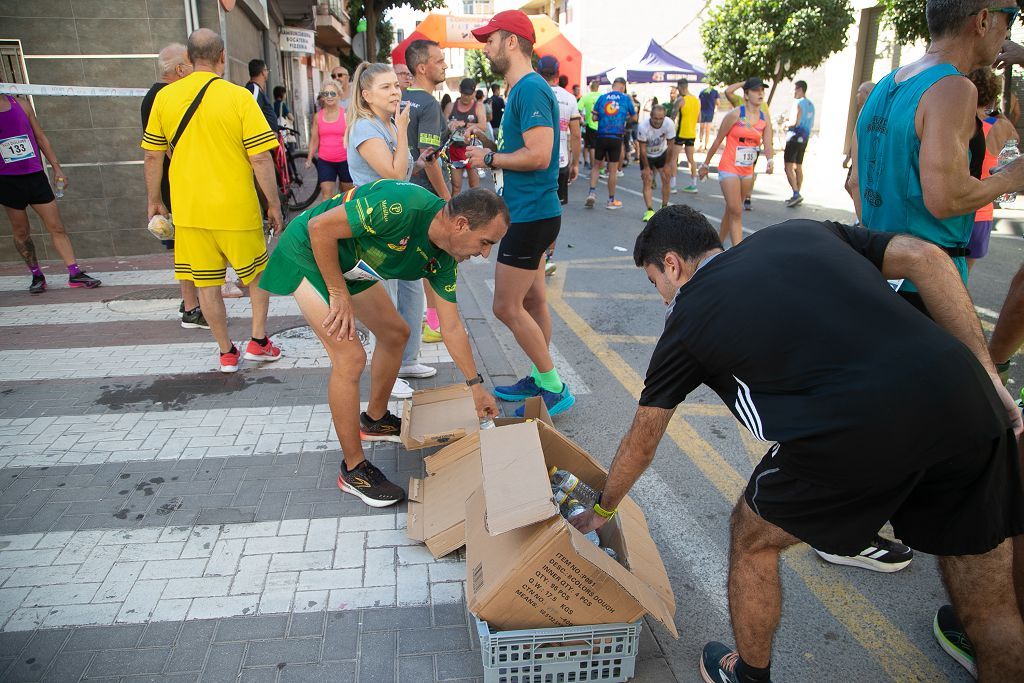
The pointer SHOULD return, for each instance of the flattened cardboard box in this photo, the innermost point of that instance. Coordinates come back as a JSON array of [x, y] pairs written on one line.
[[437, 512], [435, 417]]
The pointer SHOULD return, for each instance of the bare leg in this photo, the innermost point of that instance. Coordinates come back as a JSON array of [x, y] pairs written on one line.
[[693, 164], [375, 310], [595, 173], [211, 300], [613, 177], [456, 181], [666, 181], [791, 177], [472, 177], [344, 187], [511, 286], [755, 592], [51, 219], [646, 175], [978, 586], [188, 294], [326, 191], [1018, 572], [799, 176], [21, 231], [536, 302], [259, 302], [732, 221]]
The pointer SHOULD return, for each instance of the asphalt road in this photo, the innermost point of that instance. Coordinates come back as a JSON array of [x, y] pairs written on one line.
[[842, 622]]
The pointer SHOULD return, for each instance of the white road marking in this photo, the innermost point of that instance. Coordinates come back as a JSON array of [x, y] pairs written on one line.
[[58, 279], [126, 310]]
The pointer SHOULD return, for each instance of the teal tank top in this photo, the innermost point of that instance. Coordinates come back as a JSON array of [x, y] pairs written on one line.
[[888, 170]]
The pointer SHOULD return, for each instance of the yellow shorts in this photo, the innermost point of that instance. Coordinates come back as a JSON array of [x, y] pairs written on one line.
[[202, 255]]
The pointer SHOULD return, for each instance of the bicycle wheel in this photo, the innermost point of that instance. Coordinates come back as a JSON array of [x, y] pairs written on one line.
[[303, 189]]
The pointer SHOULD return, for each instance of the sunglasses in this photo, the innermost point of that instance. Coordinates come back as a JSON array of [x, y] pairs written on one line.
[[1010, 12], [328, 95], [339, 76]]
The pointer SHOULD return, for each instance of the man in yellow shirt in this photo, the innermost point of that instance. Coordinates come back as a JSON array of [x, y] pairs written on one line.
[[687, 110], [216, 212]]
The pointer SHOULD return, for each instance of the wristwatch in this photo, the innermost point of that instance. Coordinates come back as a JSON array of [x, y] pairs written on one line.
[[476, 380], [489, 160]]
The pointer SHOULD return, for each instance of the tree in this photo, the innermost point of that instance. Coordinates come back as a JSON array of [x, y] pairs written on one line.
[[772, 38], [907, 20], [378, 29], [479, 69]]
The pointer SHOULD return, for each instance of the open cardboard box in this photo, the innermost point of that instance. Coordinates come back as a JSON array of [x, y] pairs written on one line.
[[437, 514], [435, 417]]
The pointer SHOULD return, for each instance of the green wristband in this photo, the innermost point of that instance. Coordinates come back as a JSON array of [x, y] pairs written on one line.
[[601, 512]]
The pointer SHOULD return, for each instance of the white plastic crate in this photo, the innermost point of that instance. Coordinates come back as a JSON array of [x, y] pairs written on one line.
[[570, 654]]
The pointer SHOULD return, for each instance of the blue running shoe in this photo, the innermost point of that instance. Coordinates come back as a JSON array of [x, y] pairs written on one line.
[[520, 391], [718, 664], [555, 403]]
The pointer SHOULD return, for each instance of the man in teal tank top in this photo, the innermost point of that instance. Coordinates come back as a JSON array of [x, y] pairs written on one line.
[[911, 144]]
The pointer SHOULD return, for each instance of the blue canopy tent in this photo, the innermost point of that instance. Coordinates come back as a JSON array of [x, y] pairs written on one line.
[[653, 64]]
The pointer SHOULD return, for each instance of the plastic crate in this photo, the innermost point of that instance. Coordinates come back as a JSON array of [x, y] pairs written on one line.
[[571, 654]]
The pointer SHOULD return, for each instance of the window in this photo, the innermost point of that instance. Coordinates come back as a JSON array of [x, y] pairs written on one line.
[[478, 6], [12, 66]]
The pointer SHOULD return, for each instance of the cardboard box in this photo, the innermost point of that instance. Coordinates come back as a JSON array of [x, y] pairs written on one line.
[[529, 568], [435, 417], [437, 513]]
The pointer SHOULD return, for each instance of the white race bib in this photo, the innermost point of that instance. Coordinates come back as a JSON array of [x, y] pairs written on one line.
[[746, 156], [17, 148], [499, 182], [362, 271]]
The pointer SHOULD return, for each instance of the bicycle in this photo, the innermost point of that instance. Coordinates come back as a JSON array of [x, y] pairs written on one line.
[[295, 192]]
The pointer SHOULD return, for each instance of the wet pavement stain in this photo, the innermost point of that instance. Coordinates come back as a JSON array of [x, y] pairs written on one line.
[[170, 506], [174, 392]]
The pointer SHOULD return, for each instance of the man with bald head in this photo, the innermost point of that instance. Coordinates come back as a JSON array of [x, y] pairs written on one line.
[[217, 139]]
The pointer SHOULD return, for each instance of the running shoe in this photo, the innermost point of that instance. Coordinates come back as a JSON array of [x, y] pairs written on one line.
[[718, 663], [520, 391], [229, 360], [555, 403], [401, 389], [181, 306], [430, 335], [613, 204], [690, 189], [38, 285], [262, 352], [953, 639], [746, 204], [797, 198], [194, 320], [83, 280], [386, 428], [550, 267], [230, 290], [620, 173], [603, 172], [591, 200], [369, 484], [417, 371], [647, 215], [882, 555]]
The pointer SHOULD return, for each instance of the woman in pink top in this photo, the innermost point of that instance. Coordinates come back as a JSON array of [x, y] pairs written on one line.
[[23, 182], [327, 142]]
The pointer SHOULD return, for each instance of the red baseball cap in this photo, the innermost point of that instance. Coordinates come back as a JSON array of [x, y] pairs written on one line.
[[514, 21]]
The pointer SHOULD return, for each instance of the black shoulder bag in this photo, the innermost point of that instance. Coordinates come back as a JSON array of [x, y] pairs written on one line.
[[189, 113]]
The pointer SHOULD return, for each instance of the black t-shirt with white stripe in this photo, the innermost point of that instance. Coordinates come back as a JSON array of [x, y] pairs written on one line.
[[806, 343]]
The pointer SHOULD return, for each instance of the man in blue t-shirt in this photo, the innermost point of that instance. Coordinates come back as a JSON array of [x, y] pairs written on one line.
[[525, 165], [611, 111], [708, 104], [801, 122]]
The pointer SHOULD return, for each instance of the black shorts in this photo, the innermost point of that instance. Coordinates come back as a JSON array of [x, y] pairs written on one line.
[[794, 152], [685, 142], [966, 504], [18, 191], [589, 137], [657, 162], [329, 171], [524, 244], [608, 149], [563, 185]]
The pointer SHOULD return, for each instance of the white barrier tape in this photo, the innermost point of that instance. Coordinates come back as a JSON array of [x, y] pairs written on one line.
[[69, 90]]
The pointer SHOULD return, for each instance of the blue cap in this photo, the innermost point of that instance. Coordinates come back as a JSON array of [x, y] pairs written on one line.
[[547, 64]]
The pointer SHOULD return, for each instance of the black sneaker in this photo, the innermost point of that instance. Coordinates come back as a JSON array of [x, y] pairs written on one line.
[[386, 428], [746, 204], [194, 320], [369, 484], [718, 663], [38, 285], [181, 307], [882, 555], [953, 639], [83, 280]]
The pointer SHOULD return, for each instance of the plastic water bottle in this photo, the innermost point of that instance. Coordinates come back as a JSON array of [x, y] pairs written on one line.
[[1006, 155], [571, 484], [58, 187], [572, 509], [487, 423]]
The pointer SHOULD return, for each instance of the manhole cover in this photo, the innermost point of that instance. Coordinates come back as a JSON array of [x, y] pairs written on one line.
[[304, 332], [146, 300]]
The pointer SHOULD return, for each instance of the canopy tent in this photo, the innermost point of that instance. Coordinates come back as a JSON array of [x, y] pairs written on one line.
[[653, 64], [454, 31]]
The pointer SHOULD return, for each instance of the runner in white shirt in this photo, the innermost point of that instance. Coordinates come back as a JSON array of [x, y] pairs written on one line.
[[656, 137], [568, 137]]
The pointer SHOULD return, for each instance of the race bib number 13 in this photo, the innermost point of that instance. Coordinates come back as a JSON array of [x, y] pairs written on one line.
[[17, 148]]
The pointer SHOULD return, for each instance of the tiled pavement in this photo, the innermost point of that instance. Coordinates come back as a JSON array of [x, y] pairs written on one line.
[[159, 521]]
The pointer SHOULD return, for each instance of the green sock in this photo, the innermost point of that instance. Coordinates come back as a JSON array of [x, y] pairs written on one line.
[[550, 381], [535, 373]]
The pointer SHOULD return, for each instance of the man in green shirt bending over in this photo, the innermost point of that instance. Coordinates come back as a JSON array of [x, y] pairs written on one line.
[[331, 259]]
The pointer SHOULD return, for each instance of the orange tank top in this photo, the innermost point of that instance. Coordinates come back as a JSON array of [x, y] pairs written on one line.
[[985, 212], [742, 144]]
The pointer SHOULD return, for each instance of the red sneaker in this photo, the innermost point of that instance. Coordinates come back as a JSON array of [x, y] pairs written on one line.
[[229, 360], [265, 353]]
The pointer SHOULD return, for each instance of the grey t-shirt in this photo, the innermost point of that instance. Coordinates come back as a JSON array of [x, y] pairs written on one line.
[[427, 130], [365, 129]]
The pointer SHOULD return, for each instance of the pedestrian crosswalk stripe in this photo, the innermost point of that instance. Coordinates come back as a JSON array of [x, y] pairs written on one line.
[[58, 280]]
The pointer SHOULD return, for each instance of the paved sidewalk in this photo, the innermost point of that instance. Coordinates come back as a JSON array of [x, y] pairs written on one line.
[[163, 521]]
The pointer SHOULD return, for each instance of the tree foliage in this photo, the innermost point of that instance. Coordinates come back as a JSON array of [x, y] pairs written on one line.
[[906, 18], [772, 39], [379, 31], [479, 69]]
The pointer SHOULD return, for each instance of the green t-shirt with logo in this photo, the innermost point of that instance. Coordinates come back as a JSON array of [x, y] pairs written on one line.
[[389, 221], [586, 105]]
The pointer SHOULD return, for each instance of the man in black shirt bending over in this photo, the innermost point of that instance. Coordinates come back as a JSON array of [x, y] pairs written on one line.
[[806, 343]]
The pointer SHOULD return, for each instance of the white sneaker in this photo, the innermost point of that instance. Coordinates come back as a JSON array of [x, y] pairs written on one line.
[[402, 389], [417, 371], [230, 290]]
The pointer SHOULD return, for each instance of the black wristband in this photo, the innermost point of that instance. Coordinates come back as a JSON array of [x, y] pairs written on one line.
[[476, 380]]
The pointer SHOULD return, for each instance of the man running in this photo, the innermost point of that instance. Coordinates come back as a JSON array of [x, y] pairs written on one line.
[[333, 259], [687, 111], [656, 138], [799, 126], [708, 105], [525, 165], [586, 106], [611, 112], [879, 436]]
